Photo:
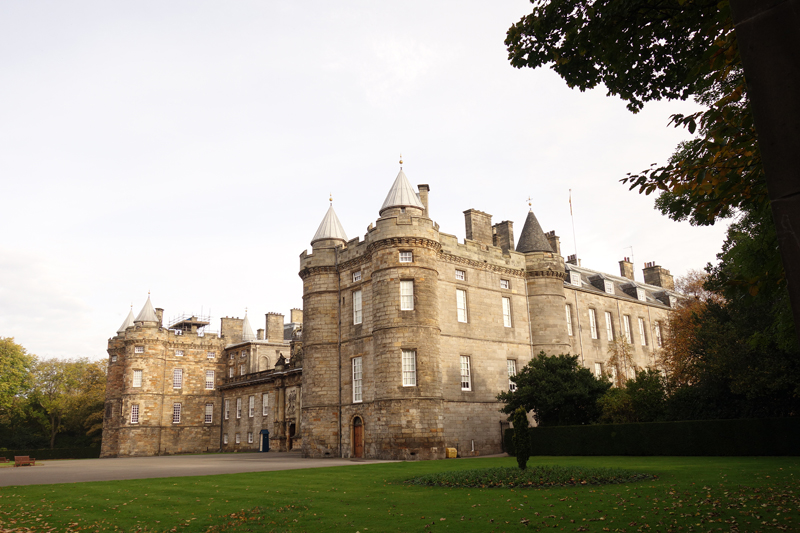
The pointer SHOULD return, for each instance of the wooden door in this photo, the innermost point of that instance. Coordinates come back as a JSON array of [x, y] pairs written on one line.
[[358, 438]]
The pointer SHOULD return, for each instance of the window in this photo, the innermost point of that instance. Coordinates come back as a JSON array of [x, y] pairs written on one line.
[[178, 353], [512, 371], [356, 307], [574, 278], [230, 372], [231, 355], [357, 377], [250, 437], [135, 413], [252, 407], [461, 275], [609, 327], [241, 370], [507, 312], [626, 320], [504, 284], [598, 370], [227, 409], [177, 378], [138, 349], [640, 295], [265, 404], [406, 257], [569, 319], [176, 413], [641, 332], [137, 378], [238, 408], [658, 334], [211, 355], [466, 381], [225, 439], [461, 304], [238, 439], [113, 358], [406, 295], [209, 413], [409, 368], [244, 353], [356, 276], [593, 322], [609, 286]]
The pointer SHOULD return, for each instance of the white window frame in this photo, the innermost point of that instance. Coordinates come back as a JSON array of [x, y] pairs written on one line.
[[176, 413], [138, 349], [209, 416], [225, 439], [506, 312], [227, 409], [461, 275], [177, 378], [209, 380], [598, 370], [640, 294], [265, 404], [249, 437], [406, 295], [138, 376], [574, 278], [357, 314], [113, 358], [505, 284], [244, 354], [593, 322], [178, 353], [242, 370], [231, 355], [511, 367], [231, 370], [358, 377], [466, 376], [609, 286], [211, 355], [406, 257], [356, 276], [569, 319], [409, 368], [251, 412], [609, 326], [135, 413], [659, 340], [238, 438], [461, 305], [642, 332], [238, 408], [626, 320]]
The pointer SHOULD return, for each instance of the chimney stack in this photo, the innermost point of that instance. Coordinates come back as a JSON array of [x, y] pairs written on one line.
[[660, 277], [503, 235], [573, 260], [479, 226], [626, 268], [423, 197], [554, 240], [160, 315], [275, 327], [260, 334], [296, 316]]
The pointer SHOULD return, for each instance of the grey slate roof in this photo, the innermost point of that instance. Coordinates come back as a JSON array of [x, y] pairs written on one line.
[[401, 194], [330, 228], [247, 330], [147, 314], [128, 322], [532, 238]]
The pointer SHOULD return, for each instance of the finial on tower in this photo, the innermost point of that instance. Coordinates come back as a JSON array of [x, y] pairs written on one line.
[[330, 198], [401, 161], [530, 208]]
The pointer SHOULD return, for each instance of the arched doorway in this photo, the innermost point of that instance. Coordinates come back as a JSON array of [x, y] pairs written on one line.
[[292, 430], [358, 437]]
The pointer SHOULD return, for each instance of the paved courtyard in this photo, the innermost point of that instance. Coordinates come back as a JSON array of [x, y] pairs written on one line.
[[71, 471]]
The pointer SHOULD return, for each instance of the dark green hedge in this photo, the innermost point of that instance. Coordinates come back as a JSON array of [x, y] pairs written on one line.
[[771, 436], [58, 453]]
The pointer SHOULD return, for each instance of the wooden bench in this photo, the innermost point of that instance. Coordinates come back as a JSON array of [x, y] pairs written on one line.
[[24, 460], [4, 459]]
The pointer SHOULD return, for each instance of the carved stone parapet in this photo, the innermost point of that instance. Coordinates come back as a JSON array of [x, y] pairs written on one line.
[[419, 242], [450, 258], [310, 271], [546, 274]]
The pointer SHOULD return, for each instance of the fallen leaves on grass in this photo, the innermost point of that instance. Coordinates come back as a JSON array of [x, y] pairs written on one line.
[[535, 477]]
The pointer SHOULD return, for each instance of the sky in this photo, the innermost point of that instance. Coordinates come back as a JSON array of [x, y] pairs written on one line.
[[188, 149]]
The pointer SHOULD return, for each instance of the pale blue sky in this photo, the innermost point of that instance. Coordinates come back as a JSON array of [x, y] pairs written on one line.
[[188, 148]]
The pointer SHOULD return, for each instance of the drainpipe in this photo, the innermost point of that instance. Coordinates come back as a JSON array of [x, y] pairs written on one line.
[[580, 330]]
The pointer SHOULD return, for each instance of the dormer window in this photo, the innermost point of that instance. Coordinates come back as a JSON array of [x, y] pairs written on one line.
[[609, 286], [672, 301], [356, 276], [406, 257], [574, 278], [640, 295]]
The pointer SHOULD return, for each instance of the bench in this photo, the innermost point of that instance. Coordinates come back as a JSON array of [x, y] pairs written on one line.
[[24, 460], [4, 459]]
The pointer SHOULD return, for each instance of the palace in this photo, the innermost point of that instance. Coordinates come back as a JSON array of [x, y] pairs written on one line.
[[403, 343]]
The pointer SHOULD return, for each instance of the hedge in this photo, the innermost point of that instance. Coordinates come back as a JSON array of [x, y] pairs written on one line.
[[58, 453], [770, 436]]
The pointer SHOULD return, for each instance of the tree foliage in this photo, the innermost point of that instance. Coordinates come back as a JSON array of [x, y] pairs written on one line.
[[15, 367], [557, 389], [521, 446], [641, 399]]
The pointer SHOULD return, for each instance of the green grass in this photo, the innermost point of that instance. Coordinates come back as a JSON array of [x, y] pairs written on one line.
[[744, 494], [535, 477]]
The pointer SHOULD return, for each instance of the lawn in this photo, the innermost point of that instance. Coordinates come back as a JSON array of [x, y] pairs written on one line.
[[744, 494]]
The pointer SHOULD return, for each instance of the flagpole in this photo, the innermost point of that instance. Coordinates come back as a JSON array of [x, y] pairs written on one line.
[[574, 239]]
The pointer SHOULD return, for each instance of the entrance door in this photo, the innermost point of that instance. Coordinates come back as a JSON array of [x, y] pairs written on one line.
[[291, 436], [358, 437]]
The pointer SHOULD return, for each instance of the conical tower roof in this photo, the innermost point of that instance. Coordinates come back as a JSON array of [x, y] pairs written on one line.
[[330, 228], [247, 330], [532, 238], [128, 322], [401, 194], [147, 314]]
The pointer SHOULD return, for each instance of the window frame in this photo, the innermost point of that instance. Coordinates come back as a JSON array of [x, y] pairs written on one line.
[[134, 413], [177, 378], [357, 307], [209, 414], [227, 408], [593, 323], [507, 322], [238, 408], [462, 314], [608, 286], [231, 372], [210, 374], [570, 331], [461, 275], [265, 404], [179, 353], [357, 367], [505, 284], [511, 369], [406, 256], [659, 339], [626, 322], [466, 373], [609, 326], [251, 406], [177, 409], [238, 438], [211, 355], [137, 373], [225, 438], [574, 278], [642, 332], [138, 349], [249, 437], [406, 296], [356, 276], [409, 367]]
